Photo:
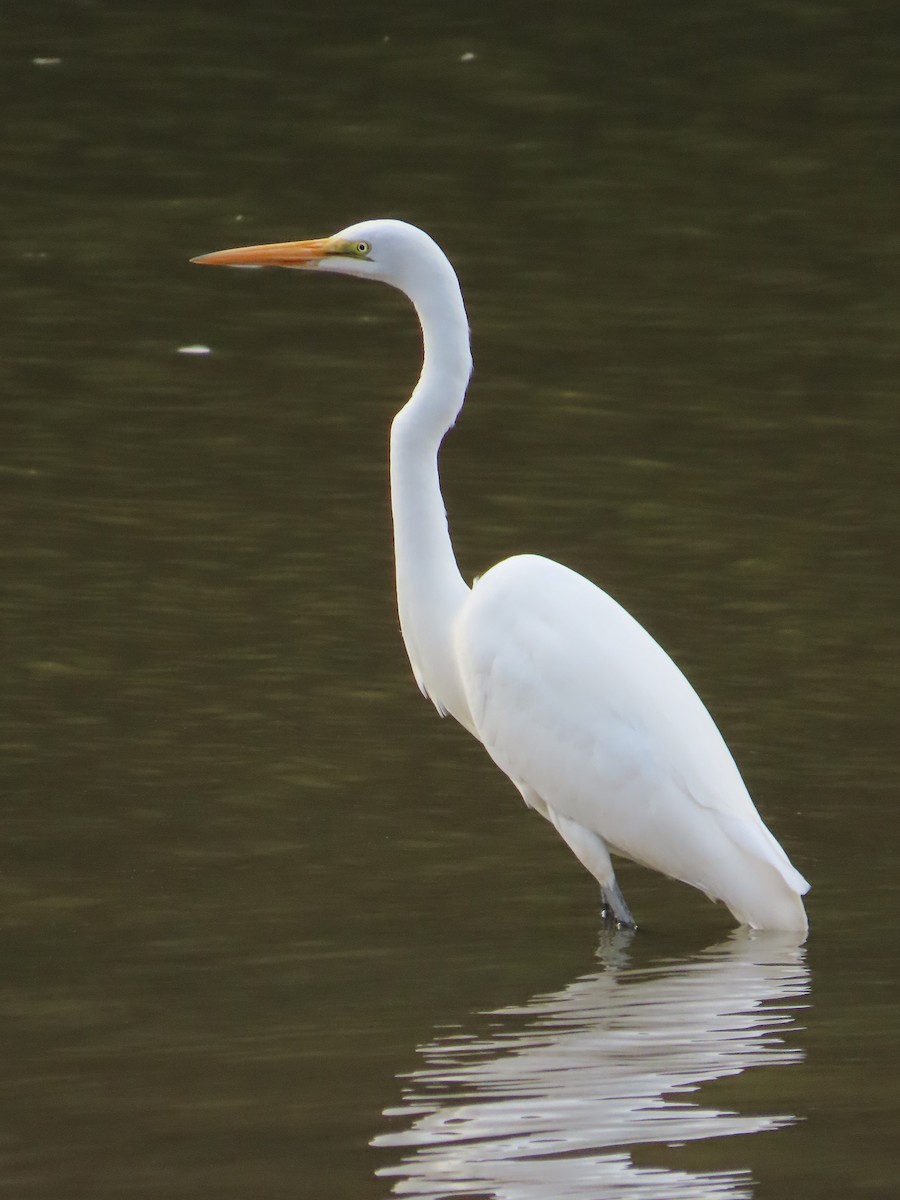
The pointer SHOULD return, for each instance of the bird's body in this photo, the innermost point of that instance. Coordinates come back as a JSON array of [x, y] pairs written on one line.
[[672, 796], [570, 696]]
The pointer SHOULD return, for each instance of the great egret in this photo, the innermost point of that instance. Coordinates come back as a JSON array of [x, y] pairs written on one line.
[[570, 696]]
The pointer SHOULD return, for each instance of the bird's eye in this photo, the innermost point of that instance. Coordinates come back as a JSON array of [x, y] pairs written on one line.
[[362, 248]]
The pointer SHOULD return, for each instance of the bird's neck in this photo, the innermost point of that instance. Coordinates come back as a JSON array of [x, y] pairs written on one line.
[[430, 588]]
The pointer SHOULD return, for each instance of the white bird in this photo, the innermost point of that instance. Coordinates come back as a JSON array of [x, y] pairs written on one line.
[[591, 720]]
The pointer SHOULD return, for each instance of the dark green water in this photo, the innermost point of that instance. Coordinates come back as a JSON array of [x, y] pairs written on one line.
[[268, 928]]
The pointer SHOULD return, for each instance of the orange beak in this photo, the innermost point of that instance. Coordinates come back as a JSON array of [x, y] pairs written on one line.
[[275, 254]]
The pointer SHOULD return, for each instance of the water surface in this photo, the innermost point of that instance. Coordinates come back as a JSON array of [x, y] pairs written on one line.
[[256, 898]]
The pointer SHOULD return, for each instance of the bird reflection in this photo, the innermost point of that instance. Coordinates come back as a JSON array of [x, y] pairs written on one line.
[[548, 1102]]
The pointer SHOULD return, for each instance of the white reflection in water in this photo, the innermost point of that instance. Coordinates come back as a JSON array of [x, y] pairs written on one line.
[[611, 1061]]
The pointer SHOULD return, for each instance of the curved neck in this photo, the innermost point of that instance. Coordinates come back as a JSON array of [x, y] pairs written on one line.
[[430, 588]]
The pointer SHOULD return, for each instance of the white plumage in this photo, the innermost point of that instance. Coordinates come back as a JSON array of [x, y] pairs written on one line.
[[620, 754], [571, 697]]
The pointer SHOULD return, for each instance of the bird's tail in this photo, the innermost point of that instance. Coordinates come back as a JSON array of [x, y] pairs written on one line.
[[767, 897]]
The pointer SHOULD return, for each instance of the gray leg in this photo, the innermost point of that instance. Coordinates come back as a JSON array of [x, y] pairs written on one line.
[[615, 908], [590, 850]]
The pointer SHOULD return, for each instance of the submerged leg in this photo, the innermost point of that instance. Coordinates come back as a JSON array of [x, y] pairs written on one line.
[[615, 907], [591, 852]]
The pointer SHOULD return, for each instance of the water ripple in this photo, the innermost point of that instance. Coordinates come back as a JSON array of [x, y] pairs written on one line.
[[547, 1102]]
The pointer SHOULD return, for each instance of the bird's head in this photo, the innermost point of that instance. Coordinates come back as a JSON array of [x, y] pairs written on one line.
[[386, 250]]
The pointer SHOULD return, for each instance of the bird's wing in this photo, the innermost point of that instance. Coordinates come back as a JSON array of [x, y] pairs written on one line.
[[575, 700]]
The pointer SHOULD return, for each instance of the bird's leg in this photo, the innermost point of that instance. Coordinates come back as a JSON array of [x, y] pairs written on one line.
[[590, 849], [615, 910]]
